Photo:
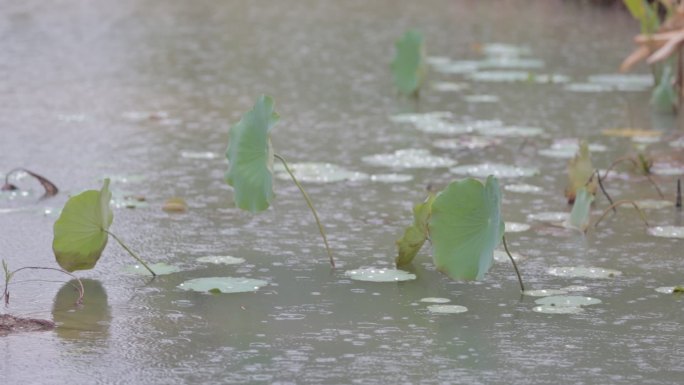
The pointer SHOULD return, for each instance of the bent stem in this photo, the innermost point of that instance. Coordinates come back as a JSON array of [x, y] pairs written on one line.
[[620, 203], [600, 183], [636, 165], [310, 204], [131, 252], [9, 275], [515, 266]]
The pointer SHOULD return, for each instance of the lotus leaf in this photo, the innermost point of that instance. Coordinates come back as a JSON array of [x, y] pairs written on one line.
[[465, 227], [580, 170], [408, 66], [250, 157], [80, 232], [415, 235]]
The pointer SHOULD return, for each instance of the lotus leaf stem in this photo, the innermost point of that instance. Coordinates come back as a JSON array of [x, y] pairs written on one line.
[[620, 203], [515, 265], [131, 252], [8, 275], [310, 204]]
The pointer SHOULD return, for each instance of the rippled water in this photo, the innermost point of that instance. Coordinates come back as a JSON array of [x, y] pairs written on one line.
[[145, 92]]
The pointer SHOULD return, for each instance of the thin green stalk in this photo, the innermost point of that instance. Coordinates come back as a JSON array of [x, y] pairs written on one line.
[[515, 266], [310, 204], [131, 252], [620, 203], [9, 275]]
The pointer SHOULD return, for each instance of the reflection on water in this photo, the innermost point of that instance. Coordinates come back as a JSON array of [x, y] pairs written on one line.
[[90, 320], [147, 89]]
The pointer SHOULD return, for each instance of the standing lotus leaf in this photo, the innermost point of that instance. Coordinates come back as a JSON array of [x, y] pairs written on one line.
[[80, 232], [408, 66], [581, 210], [465, 227], [415, 235], [250, 157], [580, 171]]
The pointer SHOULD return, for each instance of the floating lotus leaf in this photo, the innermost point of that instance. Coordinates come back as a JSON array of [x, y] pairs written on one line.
[[465, 227], [435, 300], [250, 157], [415, 235], [221, 259], [580, 169], [408, 66], [447, 309], [80, 232], [216, 285]]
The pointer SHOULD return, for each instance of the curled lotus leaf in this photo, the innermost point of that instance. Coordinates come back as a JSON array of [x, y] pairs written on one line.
[[250, 157], [408, 66]]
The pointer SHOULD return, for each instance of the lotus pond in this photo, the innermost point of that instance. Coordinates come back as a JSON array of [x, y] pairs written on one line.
[[145, 92]]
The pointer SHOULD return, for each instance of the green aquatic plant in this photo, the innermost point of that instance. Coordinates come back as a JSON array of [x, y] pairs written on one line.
[[408, 66], [581, 210], [250, 163], [580, 173], [415, 235], [82, 230], [9, 274], [464, 225]]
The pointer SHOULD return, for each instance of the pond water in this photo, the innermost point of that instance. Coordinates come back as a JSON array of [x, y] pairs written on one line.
[[144, 92]]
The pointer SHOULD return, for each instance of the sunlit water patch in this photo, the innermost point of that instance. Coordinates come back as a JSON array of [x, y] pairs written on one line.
[[204, 155], [584, 272], [216, 285], [667, 231], [500, 256], [567, 148], [409, 158], [435, 300], [221, 260], [496, 169], [553, 217], [624, 82], [670, 289], [481, 98], [447, 309], [450, 87], [544, 292], [467, 142], [511, 131], [523, 188], [379, 275], [158, 268], [516, 227], [312, 172]]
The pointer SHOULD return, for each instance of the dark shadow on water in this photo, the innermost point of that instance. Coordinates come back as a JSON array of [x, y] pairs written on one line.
[[90, 320]]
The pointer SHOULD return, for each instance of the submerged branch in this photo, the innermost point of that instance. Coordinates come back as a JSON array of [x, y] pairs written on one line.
[[310, 204]]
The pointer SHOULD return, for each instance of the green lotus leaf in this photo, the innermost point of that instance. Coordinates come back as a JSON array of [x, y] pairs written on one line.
[[80, 232], [580, 170], [465, 227], [581, 210], [415, 235], [664, 95], [408, 66], [250, 157]]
